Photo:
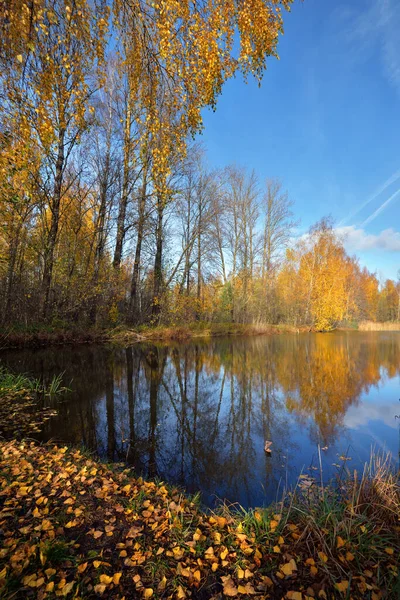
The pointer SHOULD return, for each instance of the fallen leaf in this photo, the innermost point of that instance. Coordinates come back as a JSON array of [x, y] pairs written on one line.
[[342, 586], [229, 586], [294, 596]]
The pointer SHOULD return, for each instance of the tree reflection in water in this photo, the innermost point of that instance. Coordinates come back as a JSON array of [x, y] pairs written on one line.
[[198, 414]]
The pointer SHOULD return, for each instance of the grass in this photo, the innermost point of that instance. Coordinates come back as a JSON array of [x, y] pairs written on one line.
[[16, 382], [385, 326]]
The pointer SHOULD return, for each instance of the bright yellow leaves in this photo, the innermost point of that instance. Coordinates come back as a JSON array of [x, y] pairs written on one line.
[[195, 49]]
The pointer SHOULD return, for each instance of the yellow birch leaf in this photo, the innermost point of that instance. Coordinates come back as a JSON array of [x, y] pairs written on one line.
[[342, 586], [82, 567], [294, 596], [287, 569], [323, 557], [100, 588], [68, 588]]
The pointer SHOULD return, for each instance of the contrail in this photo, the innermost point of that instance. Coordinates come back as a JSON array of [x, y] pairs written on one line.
[[380, 208], [375, 195]]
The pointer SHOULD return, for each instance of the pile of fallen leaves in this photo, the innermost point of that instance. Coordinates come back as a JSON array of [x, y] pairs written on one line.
[[21, 414], [73, 527]]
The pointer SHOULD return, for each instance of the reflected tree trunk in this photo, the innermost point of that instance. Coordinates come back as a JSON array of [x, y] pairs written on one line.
[[110, 410]]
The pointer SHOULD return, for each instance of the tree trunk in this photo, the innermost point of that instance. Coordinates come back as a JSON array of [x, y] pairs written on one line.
[[134, 308], [198, 311], [158, 275], [55, 217], [99, 251], [125, 191]]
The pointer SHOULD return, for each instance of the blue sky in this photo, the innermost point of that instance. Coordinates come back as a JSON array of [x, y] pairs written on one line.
[[326, 122]]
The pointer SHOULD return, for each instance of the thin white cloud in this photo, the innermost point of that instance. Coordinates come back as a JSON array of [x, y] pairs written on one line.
[[380, 208], [377, 28], [357, 239], [392, 179]]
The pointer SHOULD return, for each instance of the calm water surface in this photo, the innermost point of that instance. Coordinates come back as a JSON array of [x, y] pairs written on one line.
[[198, 414]]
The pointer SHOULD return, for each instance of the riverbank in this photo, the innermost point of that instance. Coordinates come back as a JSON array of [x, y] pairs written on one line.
[[47, 336], [196, 330], [75, 527], [38, 337]]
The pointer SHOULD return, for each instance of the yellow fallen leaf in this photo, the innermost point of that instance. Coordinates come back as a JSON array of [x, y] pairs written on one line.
[[19, 58], [240, 573], [68, 588], [273, 524], [294, 596], [323, 557], [148, 592], [276, 549], [50, 586], [70, 524], [100, 588], [217, 537], [340, 542], [287, 569], [116, 578], [178, 552], [389, 551], [82, 567], [50, 572], [106, 579], [342, 586], [197, 575], [313, 570], [162, 585], [97, 534], [349, 556], [246, 589]]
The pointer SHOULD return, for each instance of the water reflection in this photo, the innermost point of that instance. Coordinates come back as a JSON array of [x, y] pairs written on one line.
[[198, 414]]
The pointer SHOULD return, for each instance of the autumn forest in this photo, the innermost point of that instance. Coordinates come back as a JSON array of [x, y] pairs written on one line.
[[110, 212]]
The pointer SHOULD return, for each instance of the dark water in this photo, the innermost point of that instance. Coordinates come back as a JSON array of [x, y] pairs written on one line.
[[198, 414]]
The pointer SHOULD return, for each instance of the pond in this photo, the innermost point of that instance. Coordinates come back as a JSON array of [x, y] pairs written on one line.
[[198, 414]]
